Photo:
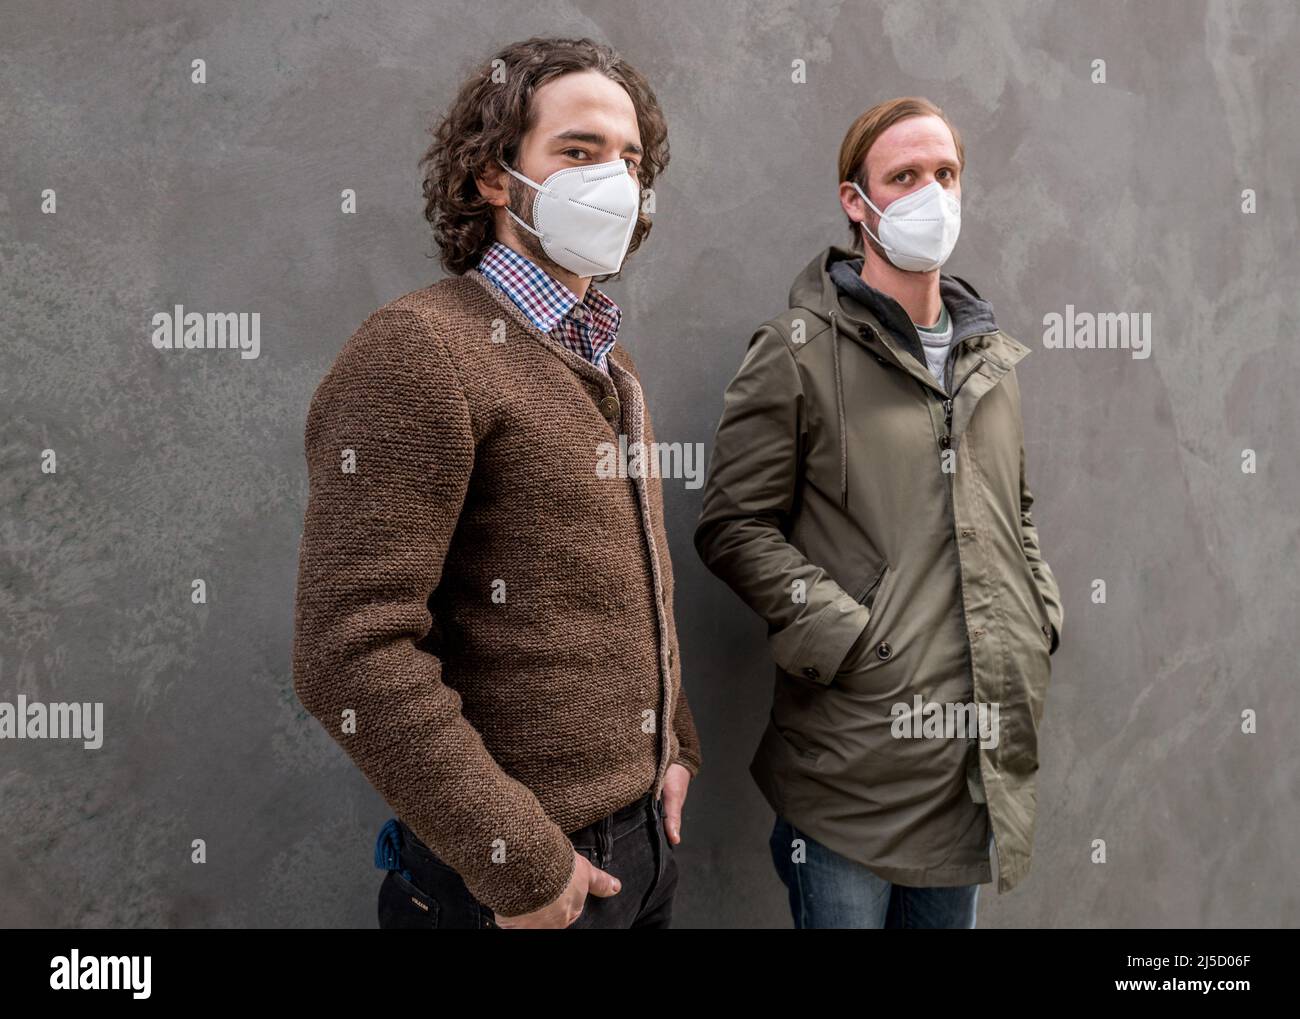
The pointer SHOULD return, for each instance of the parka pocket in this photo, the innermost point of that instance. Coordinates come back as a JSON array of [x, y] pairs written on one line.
[[868, 593], [871, 651], [799, 743], [1044, 620]]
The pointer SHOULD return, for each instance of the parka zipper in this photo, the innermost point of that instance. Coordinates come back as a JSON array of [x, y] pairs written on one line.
[[952, 509], [947, 403]]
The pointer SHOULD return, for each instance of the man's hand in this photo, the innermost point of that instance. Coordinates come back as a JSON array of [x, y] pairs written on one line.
[[562, 911], [591, 880], [674, 795]]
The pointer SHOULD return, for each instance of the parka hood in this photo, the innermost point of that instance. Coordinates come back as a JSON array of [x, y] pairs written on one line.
[[831, 286]]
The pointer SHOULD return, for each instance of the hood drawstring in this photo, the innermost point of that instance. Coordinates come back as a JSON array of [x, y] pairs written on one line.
[[839, 407]]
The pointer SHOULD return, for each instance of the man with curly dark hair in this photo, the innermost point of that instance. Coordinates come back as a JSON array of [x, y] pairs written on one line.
[[487, 123], [484, 615]]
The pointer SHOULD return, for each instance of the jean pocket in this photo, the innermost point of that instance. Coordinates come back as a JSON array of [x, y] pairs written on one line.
[[403, 906]]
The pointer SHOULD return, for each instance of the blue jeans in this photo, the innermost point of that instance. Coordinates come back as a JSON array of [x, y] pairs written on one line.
[[830, 890]]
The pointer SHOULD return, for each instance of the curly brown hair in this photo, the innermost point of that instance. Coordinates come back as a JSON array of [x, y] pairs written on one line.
[[489, 118]]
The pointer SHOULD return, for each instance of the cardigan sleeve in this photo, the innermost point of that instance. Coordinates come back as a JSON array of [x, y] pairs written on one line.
[[390, 450], [688, 741]]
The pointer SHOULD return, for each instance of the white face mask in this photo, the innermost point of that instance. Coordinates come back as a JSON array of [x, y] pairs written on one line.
[[919, 230], [585, 216]]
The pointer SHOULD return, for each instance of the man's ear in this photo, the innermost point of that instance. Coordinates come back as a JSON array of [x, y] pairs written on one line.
[[492, 185], [851, 201]]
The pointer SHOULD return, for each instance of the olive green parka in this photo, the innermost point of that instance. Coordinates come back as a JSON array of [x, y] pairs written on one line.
[[879, 522]]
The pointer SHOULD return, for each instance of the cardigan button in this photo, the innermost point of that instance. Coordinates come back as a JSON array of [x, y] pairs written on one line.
[[609, 407]]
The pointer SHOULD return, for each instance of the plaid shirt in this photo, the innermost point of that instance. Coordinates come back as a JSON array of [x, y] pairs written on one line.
[[588, 327]]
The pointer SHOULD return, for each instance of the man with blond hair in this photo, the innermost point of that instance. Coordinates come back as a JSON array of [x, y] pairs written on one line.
[[867, 498]]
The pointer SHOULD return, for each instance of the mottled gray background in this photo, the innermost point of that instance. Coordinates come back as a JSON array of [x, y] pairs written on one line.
[[1115, 197]]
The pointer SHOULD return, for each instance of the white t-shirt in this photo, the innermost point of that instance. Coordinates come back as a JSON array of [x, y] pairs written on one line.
[[936, 340]]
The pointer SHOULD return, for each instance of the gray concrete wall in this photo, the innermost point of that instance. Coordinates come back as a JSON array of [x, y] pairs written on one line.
[[1123, 196]]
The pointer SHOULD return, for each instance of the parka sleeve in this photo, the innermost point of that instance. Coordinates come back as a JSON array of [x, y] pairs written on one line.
[[373, 548], [1043, 576], [748, 497]]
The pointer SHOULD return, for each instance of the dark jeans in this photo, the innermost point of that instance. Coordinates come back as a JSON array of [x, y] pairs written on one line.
[[830, 890], [422, 892]]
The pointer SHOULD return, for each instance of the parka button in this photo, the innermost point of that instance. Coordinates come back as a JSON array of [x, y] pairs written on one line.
[[883, 650], [609, 407], [811, 673]]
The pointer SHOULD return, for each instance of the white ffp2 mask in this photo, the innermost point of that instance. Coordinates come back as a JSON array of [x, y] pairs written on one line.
[[584, 216], [919, 230]]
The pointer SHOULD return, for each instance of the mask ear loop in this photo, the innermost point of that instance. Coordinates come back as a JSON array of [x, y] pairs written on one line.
[[863, 224], [532, 184], [865, 198], [527, 180]]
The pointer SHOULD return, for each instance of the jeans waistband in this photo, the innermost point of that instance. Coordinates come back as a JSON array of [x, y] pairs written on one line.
[[615, 825], [598, 833]]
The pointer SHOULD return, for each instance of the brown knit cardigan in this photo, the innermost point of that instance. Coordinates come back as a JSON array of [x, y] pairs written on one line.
[[483, 621]]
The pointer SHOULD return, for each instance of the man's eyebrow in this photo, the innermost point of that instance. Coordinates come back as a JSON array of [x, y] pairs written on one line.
[[593, 138], [911, 164]]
